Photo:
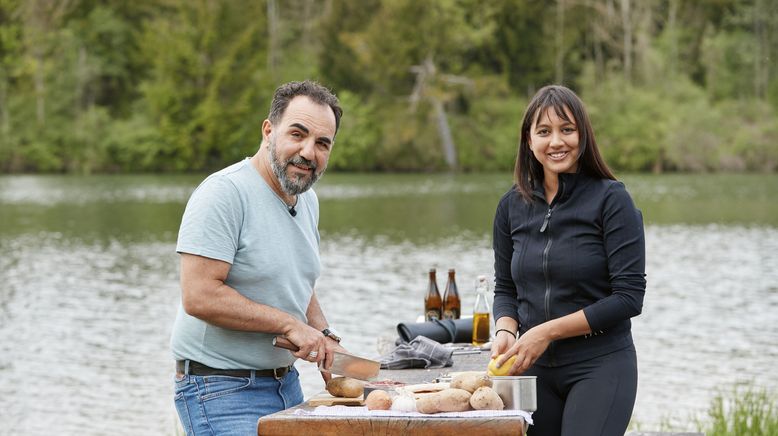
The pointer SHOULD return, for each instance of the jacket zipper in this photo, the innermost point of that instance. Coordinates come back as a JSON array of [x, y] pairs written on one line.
[[547, 301], [545, 220], [545, 229]]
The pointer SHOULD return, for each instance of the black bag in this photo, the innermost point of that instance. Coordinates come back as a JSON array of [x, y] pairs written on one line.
[[443, 331]]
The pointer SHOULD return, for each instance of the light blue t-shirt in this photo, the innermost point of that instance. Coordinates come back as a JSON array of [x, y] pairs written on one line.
[[234, 216]]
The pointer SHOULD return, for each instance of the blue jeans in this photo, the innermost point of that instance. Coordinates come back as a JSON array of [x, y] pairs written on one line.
[[222, 405]]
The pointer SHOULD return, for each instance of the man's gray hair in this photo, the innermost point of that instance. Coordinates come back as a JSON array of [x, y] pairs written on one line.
[[318, 93]]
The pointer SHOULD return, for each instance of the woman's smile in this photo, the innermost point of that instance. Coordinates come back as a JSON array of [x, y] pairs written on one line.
[[558, 155]]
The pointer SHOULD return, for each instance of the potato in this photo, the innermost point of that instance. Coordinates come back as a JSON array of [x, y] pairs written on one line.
[[485, 398], [504, 369], [427, 403], [378, 400], [471, 382], [454, 400], [449, 400], [345, 387]]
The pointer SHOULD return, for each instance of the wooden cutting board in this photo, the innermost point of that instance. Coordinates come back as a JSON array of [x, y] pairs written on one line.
[[325, 399]]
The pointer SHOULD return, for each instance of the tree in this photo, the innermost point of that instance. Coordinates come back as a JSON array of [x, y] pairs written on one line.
[[206, 81]]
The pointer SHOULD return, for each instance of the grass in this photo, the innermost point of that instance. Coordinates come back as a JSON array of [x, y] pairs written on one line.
[[746, 412]]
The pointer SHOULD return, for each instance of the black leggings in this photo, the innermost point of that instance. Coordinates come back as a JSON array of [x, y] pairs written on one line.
[[590, 398]]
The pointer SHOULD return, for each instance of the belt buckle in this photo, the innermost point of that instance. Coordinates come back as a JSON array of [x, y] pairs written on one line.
[[283, 371]]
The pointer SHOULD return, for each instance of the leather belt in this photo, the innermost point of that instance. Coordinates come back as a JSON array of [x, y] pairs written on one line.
[[197, 368]]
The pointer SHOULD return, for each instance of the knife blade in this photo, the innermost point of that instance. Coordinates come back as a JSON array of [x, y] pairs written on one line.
[[344, 364]]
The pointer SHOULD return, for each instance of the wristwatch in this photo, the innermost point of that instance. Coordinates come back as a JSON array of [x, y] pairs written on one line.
[[330, 333]]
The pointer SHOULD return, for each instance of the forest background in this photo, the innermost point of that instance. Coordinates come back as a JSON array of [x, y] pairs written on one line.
[[91, 86]]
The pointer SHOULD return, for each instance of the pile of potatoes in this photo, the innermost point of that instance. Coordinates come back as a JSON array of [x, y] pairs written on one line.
[[466, 391]]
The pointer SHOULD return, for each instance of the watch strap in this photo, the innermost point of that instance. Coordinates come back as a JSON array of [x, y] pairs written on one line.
[[330, 334]]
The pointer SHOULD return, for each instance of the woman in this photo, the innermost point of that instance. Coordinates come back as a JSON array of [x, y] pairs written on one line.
[[569, 259]]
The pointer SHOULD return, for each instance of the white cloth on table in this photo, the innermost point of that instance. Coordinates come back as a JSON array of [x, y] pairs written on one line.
[[353, 411]]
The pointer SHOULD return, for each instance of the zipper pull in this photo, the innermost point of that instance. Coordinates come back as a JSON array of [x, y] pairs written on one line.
[[545, 220]]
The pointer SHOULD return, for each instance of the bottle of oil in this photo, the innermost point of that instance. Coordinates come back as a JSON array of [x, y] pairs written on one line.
[[481, 322], [433, 304], [452, 307]]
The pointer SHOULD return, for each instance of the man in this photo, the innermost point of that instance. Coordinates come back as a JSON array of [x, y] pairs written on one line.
[[249, 248]]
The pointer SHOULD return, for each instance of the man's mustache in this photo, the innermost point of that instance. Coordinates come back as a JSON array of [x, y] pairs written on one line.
[[301, 161]]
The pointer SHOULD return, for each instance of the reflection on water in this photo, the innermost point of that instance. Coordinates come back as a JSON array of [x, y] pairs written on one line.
[[90, 288], [709, 320], [83, 334]]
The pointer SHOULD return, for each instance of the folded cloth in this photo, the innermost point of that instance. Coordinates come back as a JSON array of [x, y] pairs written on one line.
[[421, 352], [443, 331]]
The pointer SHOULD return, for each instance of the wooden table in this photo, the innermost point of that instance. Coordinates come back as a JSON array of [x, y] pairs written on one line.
[[287, 423]]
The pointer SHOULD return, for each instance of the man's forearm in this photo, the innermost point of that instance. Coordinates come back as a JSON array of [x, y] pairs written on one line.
[[316, 318], [225, 307]]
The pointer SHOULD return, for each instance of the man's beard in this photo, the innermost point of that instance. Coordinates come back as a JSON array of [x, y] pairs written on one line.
[[296, 184]]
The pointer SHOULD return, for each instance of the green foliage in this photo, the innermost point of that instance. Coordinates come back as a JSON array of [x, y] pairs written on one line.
[[674, 125], [726, 57], [772, 94], [488, 136], [750, 129], [357, 143], [174, 85], [746, 412], [132, 145], [628, 123], [520, 45], [205, 90], [410, 140]]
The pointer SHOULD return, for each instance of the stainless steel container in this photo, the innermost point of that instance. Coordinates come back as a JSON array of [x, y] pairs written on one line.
[[517, 392]]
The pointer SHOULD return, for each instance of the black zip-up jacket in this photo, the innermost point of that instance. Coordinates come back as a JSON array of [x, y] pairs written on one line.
[[585, 250]]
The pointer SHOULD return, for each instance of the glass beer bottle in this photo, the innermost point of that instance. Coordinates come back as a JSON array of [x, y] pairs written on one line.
[[452, 307], [433, 304], [481, 322]]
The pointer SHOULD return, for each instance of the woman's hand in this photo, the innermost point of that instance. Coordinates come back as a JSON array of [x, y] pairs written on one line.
[[502, 343], [504, 339], [528, 348], [535, 341]]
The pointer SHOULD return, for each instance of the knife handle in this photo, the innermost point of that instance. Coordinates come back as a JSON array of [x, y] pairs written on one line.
[[282, 342]]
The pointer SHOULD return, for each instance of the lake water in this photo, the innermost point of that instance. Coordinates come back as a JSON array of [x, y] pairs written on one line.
[[90, 286]]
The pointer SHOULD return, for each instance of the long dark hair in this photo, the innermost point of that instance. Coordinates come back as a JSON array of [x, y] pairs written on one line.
[[590, 162]]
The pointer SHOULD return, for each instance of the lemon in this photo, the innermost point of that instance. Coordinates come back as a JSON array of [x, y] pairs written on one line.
[[504, 369]]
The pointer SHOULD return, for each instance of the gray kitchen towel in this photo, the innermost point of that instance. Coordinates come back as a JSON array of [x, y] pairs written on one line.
[[421, 352]]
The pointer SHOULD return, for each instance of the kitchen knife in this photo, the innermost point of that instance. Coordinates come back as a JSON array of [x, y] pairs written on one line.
[[344, 364]]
